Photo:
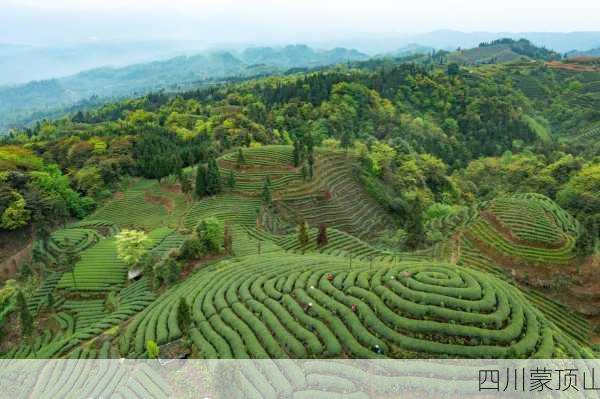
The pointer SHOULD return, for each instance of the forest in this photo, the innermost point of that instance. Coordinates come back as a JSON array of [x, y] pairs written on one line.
[[435, 137]]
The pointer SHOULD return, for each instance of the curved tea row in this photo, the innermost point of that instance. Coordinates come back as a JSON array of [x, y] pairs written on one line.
[[320, 306]]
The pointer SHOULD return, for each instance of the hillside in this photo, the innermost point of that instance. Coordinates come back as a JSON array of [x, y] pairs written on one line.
[[528, 240], [25, 104], [272, 296], [502, 50], [385, 209], [19, 103]]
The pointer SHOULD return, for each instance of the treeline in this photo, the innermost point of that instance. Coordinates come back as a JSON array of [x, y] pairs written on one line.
[[435, 138]]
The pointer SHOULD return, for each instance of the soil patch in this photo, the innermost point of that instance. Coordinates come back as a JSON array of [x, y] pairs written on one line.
[[577, 65], [576, 287], [254, 167], [159, 200], [171, 188], [10, 266], [11, 333], [190, 267]]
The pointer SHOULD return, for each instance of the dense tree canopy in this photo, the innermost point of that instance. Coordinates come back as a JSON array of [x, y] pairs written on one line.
[[425, 135]]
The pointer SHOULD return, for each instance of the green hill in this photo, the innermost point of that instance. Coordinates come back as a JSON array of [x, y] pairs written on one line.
[[279, 299], [502, 50], [393, 209]]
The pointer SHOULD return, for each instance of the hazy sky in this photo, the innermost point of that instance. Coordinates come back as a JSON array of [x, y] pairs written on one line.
[[272, 21]]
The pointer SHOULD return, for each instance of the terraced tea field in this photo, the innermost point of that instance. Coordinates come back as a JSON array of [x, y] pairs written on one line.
[[336, 198], [333, 196], [230, 208], [319, 306], [100, 268], [530, 231], [525, 228], [79, 321], [144, 206], [276, 162], [271, 297]]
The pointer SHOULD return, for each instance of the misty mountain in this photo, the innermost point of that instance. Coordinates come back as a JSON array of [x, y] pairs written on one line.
[[589, 53], [408, 50], [19, 103], [25, 63], [288, 57], [451, 40]]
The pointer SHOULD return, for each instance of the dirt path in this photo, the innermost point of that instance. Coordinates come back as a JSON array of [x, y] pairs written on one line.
[[9, 267], [456, 240]]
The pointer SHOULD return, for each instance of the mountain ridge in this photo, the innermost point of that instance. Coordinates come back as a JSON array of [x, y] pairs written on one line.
[[20, 101]]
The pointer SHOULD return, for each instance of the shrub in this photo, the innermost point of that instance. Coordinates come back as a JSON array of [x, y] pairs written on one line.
[[191, 249], [211, 233], [111, 304], [152, 349], [131, 246], [167, 271]]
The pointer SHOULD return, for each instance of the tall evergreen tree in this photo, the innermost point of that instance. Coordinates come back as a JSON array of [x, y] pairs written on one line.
[[346, 140], [231, 180], [184, 182], [201, 181], [50, 300], [213, 178], [241, 159], [311, 165], [322, 238], [297, 153], [414, 221], [184, 319], [588, 238], [266, 194], [24, 315], [68, 258], [310, 145], [303, 234]]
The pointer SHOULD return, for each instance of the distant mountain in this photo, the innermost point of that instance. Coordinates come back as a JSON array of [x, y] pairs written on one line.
[[502, 50], [450, 40], [589, 53], [557, 41], [23, 63], [19, 103], [408, 50], [289, 56]]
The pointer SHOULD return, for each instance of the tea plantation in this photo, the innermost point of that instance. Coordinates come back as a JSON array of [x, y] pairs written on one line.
[[277, 306], [274, 296]]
